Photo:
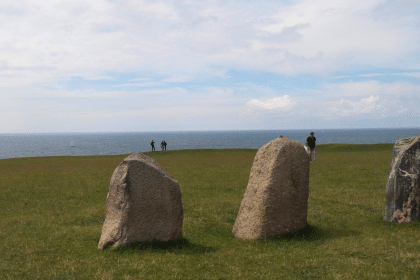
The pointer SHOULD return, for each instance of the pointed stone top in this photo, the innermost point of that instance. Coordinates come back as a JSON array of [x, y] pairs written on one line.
[[405, 143], [141, 157]]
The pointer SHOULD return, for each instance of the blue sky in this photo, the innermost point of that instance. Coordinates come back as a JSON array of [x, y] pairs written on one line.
[[117, 66]]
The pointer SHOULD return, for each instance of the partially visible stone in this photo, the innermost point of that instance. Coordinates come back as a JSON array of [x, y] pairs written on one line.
[[276, 198], [402, 190], [143, 204]]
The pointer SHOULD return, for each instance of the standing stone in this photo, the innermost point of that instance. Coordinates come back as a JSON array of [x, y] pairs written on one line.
[[276, 198], [402, 190], [143, 204]]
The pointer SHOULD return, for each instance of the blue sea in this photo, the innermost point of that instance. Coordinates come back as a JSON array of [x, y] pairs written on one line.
[[81, 144]]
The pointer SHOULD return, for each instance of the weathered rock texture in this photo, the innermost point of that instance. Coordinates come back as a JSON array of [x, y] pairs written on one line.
[[276, 198], [402, 190], [143, 204]]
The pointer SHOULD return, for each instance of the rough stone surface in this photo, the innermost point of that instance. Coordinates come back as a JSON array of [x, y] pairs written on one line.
[[402, 190], [143, 204], [276, 198]]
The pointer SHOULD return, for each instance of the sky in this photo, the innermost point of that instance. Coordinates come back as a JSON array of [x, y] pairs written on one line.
[[135, 65]]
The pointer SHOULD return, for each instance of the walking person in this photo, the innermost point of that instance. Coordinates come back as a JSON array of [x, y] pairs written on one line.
[[153, 145], [164, 143], [312, 145]]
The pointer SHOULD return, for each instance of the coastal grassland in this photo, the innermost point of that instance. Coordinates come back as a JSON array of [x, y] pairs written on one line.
[[52, 211]]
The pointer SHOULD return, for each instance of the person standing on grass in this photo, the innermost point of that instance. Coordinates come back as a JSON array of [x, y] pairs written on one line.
[[153, 145], [312, 145], [164, 144]]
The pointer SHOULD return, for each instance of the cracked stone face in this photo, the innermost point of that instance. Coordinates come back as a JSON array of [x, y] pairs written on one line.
[[402, 190]]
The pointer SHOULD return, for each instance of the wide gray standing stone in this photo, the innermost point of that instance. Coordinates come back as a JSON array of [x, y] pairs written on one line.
[[402, 190], [276, 198], [143, 204]]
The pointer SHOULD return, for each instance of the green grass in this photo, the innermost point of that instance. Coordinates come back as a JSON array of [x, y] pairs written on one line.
[[52, 210]]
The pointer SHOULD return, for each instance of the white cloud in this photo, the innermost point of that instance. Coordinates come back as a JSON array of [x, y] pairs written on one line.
[[145, 84], [373, 75], [407, 74], [200, 109], [301, 18], [177, 79], [79, 38], [367, 88], [98, 78], [160, 10], [355, 88], [346, 33], [412, 74], [353, 108], [284, 102], [369, 100], [140, 79], [211, 97], [45, 44]]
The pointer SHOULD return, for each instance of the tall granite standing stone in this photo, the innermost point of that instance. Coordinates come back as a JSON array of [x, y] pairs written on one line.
[[143, 204], [402, 190], [276, 198]]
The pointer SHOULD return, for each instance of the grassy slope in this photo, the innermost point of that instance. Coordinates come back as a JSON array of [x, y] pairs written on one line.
[[52, 211]]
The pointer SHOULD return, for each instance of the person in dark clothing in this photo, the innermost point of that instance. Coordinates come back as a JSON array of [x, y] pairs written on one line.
[[312, 145], [153, 145], [164, 144]]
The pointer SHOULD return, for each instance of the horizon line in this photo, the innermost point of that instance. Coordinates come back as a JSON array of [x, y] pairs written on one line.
[[192, 131]]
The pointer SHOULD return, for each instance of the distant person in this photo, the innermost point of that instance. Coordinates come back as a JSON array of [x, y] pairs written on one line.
[[153, 145], [307, 149], [164, 143], [312, 145]]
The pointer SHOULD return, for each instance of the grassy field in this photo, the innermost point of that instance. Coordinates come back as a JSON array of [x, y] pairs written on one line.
[[52, 210]]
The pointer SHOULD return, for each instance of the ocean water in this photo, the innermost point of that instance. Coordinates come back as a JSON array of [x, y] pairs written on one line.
[[72, 144]]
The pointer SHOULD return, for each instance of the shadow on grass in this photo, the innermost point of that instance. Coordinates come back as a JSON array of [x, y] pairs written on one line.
[[394, 225], [177, 246], [312, 233]]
